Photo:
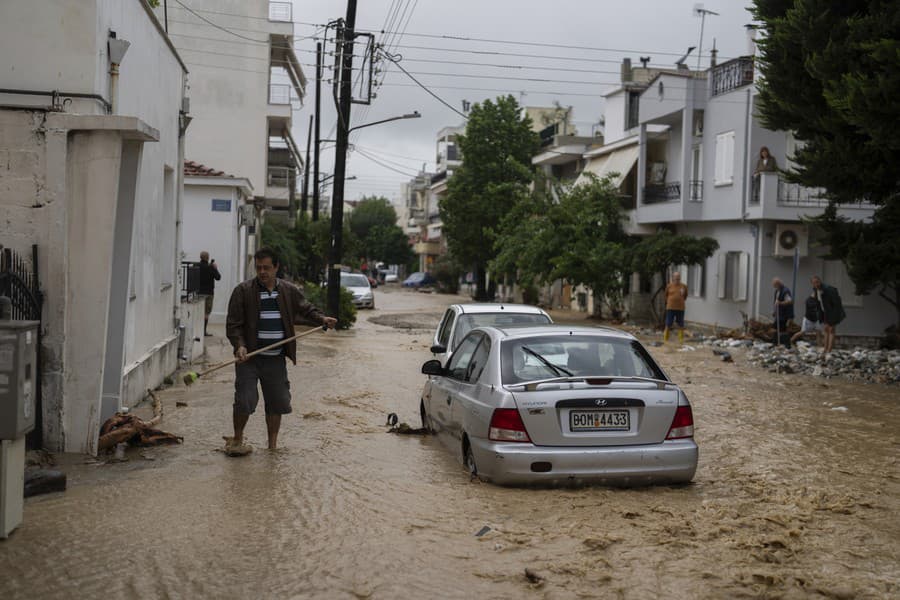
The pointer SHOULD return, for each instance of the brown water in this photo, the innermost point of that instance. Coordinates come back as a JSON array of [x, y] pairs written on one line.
[[792, 498]]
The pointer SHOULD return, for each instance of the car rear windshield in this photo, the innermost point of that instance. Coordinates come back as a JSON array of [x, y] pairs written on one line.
[[545, 357], [468, 322], [351, 280]]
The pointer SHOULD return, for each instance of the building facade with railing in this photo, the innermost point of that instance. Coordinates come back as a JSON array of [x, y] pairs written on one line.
[[699, 139], [243, 91]]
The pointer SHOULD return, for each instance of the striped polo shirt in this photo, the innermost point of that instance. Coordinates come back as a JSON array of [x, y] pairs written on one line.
[[270, 328]]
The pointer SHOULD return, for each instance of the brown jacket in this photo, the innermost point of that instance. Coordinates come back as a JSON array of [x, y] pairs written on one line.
[[243, 314]]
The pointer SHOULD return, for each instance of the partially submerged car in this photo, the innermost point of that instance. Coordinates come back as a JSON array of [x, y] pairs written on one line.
[[460, 319], [419, 279], [560, 404]]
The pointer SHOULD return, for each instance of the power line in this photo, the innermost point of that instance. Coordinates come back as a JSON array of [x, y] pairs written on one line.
[[381, 164], [210, 23], [421, 85]]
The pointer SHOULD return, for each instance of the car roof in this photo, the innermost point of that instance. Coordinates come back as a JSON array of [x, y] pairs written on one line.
[[550, 330], [496, 307]]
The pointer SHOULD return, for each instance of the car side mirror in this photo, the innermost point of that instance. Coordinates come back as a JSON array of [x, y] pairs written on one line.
[[433, 367], [438, 349]]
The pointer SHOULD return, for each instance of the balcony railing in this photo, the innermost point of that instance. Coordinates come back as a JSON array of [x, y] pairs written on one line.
[[731, 75], [281, 12], [654, 194], [696, 190], [279, 93], [794, 194], [280, 176]]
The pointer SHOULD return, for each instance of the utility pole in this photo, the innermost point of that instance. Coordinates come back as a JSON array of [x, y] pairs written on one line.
[[346, 35], [304, 199], [315, 206]]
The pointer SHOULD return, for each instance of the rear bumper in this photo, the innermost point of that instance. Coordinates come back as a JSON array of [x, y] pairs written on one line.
[[672, 461], [364, 302]]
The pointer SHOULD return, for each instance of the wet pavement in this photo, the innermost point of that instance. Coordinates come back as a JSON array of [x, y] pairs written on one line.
[[796, 495]]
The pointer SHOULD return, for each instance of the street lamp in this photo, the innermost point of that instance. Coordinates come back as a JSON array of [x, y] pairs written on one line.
[[413, 115]]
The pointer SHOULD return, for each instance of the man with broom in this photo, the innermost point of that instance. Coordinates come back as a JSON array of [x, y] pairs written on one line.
[[262, 311]]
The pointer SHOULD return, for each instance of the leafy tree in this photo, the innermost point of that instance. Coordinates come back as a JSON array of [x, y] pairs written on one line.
[[374, 224], [292, 245], [830, 74], [657, 253], [496, 170], [447, 272]]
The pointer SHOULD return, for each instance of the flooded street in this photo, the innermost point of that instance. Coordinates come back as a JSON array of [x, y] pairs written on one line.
[[796, 495]]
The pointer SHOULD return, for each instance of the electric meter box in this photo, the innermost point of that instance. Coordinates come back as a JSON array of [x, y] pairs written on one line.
[[18, 377]]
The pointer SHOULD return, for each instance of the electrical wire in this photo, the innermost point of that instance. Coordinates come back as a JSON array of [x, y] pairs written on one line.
[[210, 23], [421, 85]]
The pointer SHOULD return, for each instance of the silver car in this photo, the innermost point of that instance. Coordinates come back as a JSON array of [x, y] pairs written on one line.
[[460, 319], [560, 404], [358, 285]]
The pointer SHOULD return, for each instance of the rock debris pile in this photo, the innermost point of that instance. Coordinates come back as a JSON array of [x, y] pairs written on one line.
[[858, 364]]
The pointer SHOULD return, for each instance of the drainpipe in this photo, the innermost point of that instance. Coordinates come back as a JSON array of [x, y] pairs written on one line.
[[117, 49]]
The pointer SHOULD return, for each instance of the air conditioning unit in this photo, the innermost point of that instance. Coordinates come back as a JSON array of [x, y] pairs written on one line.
[[790, 238]]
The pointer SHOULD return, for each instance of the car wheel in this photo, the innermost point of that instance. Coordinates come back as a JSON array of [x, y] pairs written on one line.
[[470, 459]]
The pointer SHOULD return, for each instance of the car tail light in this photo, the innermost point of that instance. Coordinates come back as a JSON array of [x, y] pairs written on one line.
[[682, 424], [507, 426]]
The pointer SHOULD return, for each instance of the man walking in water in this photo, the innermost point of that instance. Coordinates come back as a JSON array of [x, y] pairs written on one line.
[[208, 275], [262, 311], [676, 294]]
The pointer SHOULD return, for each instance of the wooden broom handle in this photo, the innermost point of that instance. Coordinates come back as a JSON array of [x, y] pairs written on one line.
[[260, 350]]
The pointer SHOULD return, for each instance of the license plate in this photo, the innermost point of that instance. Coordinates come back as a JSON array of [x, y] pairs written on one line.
[[599, 420]]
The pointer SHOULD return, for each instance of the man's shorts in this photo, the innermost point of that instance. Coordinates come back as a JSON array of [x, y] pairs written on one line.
[[268, 372], [674, 316], [808, 326], [207, 304]]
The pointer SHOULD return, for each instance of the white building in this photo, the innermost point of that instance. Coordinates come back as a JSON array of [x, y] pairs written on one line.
[[221, 216], [244, 78], [91, 173]]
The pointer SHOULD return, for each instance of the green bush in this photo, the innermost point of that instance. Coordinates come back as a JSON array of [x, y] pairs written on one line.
[[447, 273], [346, 311]]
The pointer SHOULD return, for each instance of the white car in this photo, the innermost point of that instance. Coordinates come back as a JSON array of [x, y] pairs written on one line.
[[358, 285], [560, 404], [391, 278], [460, 319]]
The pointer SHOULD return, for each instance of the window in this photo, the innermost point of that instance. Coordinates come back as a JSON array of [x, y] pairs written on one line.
[[696, 281], [468, 322], [632, 118], [458, 367], [446, 326], [733, 275], [834, 273], [479, 360], [724, 158]]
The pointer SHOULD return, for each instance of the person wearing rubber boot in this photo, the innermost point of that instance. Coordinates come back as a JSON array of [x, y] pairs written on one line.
[[676, 294], [262, 311]]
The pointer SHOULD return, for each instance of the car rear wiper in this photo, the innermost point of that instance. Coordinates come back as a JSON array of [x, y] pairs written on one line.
[[559, 370]]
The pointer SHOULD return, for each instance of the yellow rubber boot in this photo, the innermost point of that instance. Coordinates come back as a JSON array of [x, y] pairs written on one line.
[[666, 334], [681, 336]]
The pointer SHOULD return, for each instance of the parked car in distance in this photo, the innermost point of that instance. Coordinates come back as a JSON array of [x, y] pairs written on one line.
[[460, 319], [560, 404], [391, 278], [419, 279], [358, 285]]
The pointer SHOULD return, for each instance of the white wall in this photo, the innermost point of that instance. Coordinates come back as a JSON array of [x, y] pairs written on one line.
[[217, 233], [614, 113]]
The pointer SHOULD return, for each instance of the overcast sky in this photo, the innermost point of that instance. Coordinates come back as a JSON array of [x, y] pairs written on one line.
[[598, 33]]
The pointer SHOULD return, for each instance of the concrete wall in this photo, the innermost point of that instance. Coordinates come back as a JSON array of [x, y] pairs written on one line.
[[614, 113], [89, 191]]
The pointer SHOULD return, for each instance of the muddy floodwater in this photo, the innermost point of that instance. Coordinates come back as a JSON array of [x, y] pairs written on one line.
[[797, 495]]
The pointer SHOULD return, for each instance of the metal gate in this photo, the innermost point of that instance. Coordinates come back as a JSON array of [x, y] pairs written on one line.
[[20, 284]]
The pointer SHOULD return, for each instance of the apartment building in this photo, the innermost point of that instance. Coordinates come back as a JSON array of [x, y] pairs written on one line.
[[245, 81]]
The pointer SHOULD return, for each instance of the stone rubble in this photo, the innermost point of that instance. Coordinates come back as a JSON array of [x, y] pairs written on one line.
[[857, 364]]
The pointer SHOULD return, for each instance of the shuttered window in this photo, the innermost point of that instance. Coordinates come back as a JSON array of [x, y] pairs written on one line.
[[724, 158], [733, 276]]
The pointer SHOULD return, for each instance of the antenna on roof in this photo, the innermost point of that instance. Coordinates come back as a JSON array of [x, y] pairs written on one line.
[[701, 12], [680, 61]]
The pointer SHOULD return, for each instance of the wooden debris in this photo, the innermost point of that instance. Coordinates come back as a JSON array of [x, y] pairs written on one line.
[[127, 428]]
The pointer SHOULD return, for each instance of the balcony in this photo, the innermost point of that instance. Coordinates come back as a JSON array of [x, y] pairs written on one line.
[[281, 12], [666, 192], [731, 75], [279, 93], [279, 181]]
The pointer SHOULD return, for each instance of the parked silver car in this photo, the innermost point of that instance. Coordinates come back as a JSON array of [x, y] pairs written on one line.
[[358, 285], [557, 404], [460, 319]]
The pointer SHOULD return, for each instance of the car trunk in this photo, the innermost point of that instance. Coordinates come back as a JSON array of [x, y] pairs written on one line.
[[610, 414]]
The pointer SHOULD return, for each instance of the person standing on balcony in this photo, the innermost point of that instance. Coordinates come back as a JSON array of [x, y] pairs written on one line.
[[676, 294], [206, 286], [784, 309], [765, 163], [832, 309]]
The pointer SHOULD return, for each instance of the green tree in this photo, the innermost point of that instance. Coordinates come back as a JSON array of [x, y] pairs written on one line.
[[374, 224], [657, 253], [830, 74], [496, 169]]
